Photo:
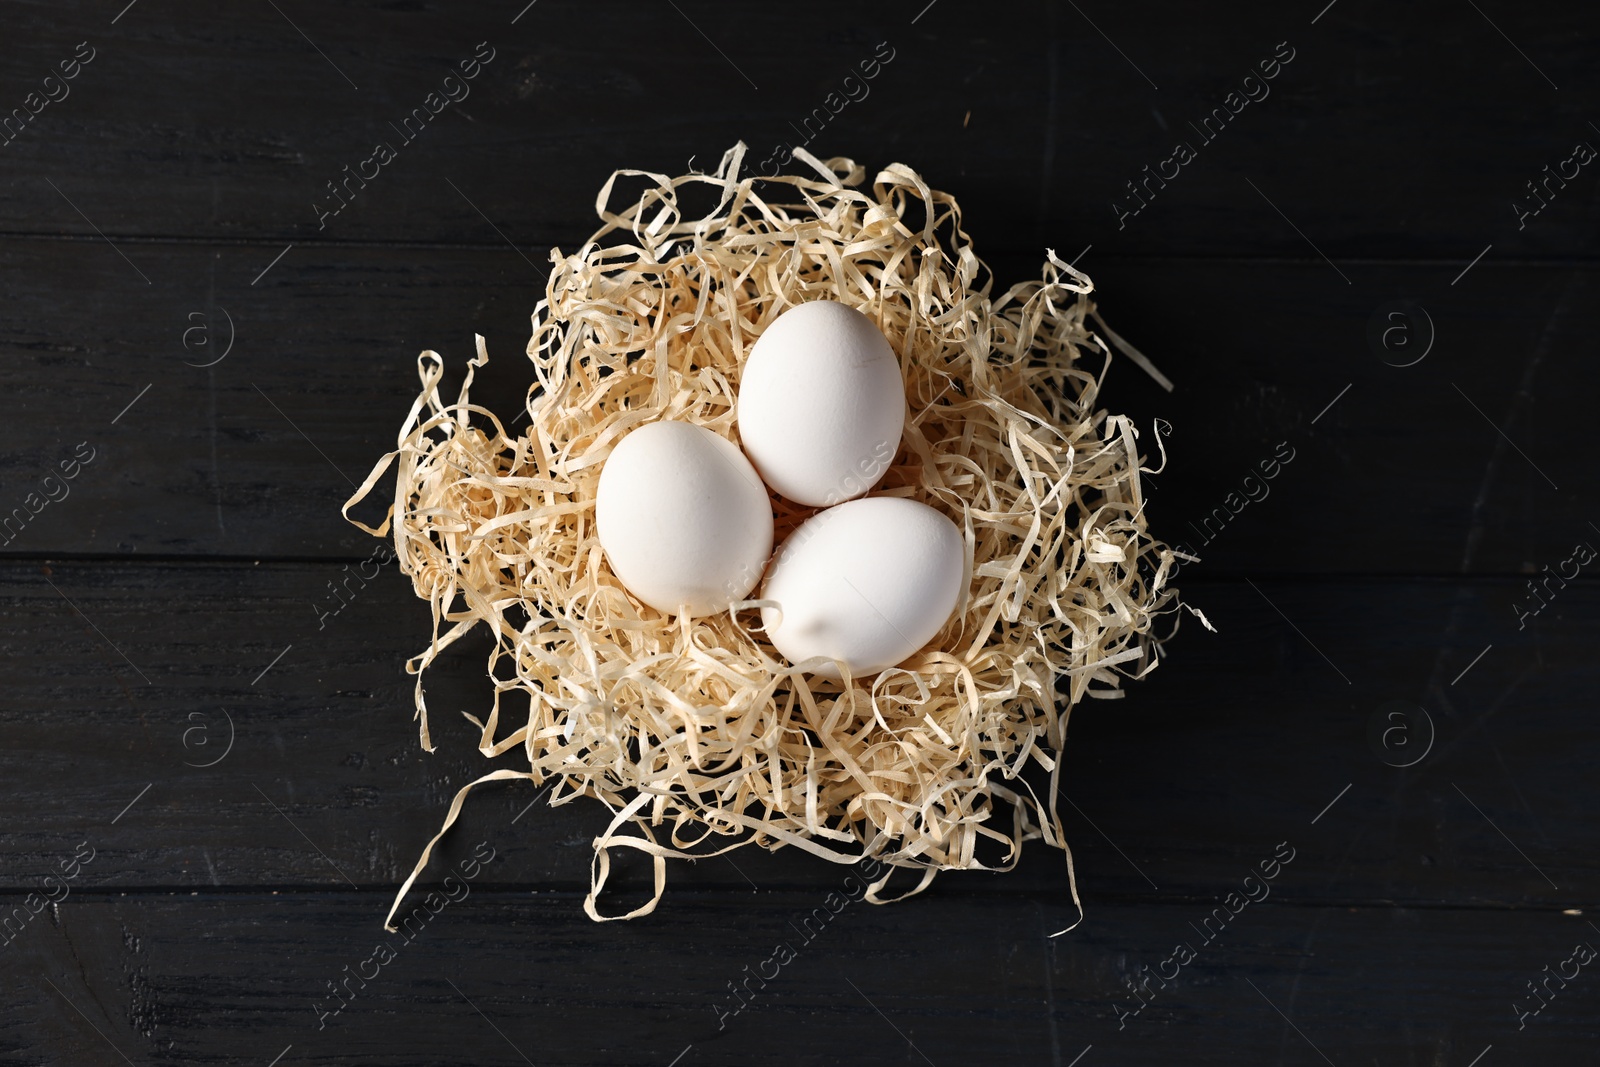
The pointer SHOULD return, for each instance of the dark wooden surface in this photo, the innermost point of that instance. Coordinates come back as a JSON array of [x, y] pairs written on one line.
[[247, 775]]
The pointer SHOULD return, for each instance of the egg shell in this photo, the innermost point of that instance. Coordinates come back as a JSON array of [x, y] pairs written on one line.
[[821, 403], [683, 518], [868, 582]]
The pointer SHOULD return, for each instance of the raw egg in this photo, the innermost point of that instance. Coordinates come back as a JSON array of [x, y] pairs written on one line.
[[821, 403], [868, 582], [683, 518]]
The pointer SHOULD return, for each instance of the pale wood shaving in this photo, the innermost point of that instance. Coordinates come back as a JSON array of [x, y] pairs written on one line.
[[693, 732]]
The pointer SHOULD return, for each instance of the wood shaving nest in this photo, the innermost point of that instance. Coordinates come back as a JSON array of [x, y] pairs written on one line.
[[692, 731]]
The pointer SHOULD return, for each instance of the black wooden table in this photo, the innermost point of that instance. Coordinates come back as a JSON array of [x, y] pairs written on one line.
[[1361, 239]]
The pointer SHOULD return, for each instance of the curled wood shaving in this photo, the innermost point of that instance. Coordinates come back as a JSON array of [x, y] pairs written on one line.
[[696, 736]]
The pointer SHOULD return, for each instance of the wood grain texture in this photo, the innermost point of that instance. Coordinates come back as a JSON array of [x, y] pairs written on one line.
[[244, 769], [502, 978], [254, 456], [1371, 140], [1243, 736]]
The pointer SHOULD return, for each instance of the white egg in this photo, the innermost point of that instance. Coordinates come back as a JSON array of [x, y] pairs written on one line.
[[683, 518], [868, 582], [821, 403]]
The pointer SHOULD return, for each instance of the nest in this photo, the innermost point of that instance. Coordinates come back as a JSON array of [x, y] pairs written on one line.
[[696, 735]]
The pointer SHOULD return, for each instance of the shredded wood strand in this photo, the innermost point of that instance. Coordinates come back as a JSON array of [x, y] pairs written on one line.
[[692, 731]]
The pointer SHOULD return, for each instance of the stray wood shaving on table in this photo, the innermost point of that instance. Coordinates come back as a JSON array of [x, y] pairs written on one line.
[[691, 731]]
